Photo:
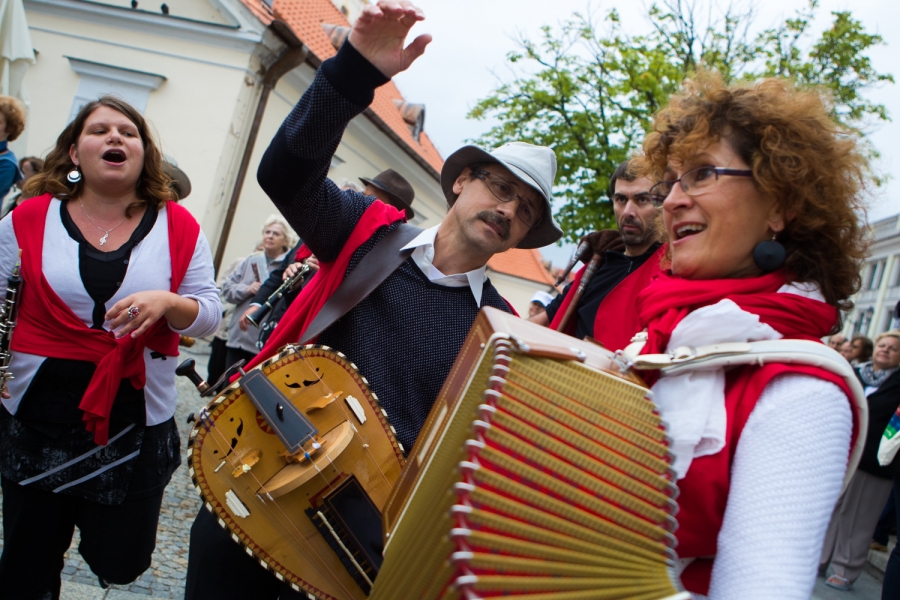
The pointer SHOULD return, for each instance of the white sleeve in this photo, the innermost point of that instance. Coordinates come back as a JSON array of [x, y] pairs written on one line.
[[199, 284], [9, 249], [786, 477]]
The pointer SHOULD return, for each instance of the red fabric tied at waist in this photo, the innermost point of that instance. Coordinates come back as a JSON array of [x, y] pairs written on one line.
[[47, 327]]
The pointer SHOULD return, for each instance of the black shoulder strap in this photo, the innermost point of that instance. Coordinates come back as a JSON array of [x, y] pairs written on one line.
[[382, 260]]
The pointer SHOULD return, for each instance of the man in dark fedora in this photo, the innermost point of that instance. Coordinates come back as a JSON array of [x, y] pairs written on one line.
[[405, 335], [391, 187]]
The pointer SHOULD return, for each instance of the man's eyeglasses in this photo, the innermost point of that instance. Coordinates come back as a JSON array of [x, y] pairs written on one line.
[[694, 182], [504, 192]]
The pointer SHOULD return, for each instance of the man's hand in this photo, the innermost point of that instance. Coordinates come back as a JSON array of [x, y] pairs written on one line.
[[244, 323], [542, 318], [380, 32]]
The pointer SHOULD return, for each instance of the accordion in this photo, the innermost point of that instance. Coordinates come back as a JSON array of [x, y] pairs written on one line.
[[542, 472]]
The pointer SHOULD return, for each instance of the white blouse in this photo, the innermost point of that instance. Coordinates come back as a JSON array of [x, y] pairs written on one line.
[[149, 268]]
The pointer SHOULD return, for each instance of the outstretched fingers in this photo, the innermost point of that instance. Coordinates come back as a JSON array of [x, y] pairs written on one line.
[[416, 48]]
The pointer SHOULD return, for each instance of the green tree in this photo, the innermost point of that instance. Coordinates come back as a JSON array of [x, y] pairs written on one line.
[[590, 88]]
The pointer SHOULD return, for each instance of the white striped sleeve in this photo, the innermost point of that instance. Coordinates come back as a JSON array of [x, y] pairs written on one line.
[[200, 285]]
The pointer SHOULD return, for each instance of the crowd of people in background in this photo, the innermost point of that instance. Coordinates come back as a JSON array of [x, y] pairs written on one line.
[[867, 512]]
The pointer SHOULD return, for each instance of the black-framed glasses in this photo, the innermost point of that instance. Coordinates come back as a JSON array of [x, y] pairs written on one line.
[[504, 192], [694, 182]]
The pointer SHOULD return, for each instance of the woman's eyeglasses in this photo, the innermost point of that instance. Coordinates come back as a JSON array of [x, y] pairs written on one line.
[[694, 182]]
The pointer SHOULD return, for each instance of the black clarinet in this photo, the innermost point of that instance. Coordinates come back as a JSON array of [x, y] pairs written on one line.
[[287, 285], [8, 311]]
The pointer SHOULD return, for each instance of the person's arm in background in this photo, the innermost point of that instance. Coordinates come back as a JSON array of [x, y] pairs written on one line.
[[234, 289], [9, 171]]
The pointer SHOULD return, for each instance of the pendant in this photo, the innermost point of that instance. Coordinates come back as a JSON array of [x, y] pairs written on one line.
[[104, 238]]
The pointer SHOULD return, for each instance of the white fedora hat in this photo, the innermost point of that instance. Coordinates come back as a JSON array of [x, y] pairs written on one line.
[[533, 165]]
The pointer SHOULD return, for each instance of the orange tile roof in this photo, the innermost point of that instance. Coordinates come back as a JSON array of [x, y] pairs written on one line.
[[305, 18], [527, 264]]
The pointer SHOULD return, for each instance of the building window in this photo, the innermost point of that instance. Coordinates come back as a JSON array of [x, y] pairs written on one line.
[[97, 79], [863, 319], [895, 273], [876, 273]]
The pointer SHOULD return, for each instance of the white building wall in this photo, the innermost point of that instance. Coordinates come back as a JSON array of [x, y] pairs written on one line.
[[874, 304], [517, 291], [203, 109]]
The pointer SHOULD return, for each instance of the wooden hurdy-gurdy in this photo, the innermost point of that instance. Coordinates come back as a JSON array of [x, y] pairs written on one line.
[[542, 472], [296, 460]]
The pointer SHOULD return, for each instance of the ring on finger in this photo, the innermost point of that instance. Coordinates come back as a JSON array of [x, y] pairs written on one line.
[[133, 311]]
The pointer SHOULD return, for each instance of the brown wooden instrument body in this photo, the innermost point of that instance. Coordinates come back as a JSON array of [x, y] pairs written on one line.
[[232, 436]]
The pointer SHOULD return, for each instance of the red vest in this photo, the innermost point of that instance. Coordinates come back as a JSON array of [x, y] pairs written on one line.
[[703, 492], [617, 318], [46, 326]]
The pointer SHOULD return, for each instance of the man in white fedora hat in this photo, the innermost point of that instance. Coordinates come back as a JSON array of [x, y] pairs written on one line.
[[405, 335]]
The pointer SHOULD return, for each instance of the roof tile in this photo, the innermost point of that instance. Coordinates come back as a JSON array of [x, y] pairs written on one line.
[[527, 264], [305, 18]]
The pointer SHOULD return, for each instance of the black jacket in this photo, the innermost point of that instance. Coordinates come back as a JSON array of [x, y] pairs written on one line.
[[882, 404]]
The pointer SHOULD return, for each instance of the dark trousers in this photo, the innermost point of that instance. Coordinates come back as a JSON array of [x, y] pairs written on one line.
[[116, 541], [890, 589], [235, 354], [886, 522], [219, 569], [217, 359]]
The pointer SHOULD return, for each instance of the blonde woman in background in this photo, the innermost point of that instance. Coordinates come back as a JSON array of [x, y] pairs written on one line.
[[243, 283]]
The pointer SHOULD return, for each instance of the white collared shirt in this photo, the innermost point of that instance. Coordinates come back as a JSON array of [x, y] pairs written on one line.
[[423, 255]]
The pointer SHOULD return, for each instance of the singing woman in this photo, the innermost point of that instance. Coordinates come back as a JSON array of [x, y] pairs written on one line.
[[113, 271], [760, 191]]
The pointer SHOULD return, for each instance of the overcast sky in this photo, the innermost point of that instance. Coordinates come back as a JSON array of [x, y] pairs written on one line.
[[472, 38]]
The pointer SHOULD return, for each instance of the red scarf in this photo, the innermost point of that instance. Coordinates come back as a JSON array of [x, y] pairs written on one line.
[[322, 285], [668, 299], [46, 326]]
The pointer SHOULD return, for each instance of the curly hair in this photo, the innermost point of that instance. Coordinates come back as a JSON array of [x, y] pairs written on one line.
[[813, 169], [289, 235], [14, 114], [153, 187]]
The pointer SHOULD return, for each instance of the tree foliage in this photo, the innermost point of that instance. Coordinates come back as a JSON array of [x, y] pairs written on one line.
[[590, 88]]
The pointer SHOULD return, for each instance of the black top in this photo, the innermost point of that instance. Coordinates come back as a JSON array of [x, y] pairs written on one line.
[[406, 334], [615, 267], [883, 402]]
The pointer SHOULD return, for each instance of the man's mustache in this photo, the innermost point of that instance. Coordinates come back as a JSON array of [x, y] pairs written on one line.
[[494, 218]]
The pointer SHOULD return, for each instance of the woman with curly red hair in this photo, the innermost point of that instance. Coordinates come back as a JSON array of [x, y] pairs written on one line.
[[761, 197], [12, 124], [112, 272]]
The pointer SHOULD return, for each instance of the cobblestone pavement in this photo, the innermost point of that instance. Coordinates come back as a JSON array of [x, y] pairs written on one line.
[[166, 575]]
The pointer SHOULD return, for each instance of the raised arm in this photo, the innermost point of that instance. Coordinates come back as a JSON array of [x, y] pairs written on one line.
[[294, 169]]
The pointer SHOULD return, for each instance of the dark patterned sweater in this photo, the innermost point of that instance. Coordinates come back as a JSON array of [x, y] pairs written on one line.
[[405, 336]]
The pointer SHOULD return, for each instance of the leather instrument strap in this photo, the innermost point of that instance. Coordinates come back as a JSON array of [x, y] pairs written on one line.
[[382, 260]]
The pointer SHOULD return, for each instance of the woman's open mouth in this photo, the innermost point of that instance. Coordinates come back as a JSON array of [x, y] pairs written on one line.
[[683, 231], [114, 156]]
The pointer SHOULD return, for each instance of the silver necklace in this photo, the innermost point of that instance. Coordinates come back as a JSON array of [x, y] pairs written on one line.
[[105, 231]]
